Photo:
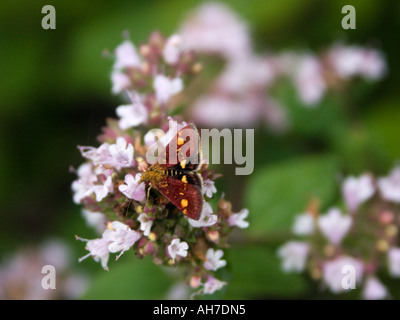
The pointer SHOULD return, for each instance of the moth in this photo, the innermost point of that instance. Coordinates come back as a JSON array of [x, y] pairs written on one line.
[[178, 180]]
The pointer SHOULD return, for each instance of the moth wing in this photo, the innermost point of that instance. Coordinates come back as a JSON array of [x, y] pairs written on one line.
[[185, 196], [186, 146]]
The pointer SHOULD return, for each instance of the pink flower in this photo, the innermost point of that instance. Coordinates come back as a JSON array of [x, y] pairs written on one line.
[[237, 219], [164, 138], [172, 49], [55, 252], [132, 115], [207, 218], [85, 185], [220, 110], [166, 88], [98, 250], [131, 189], [389, 187], [120, 81], [334, 225], [145, 223], [374, 66], [309, 80], [86, 178], [294, 256], [151, 136], [215, 29], [178, 291], [333, 272], [177, 248], [213, 259], [243, 75], [21, 277], [212, 285], [102, 190], [97, 220], [117, 155], [374, 289], [209, 188], [357, 190], [126, 56], [304, 224], [121, 153], [99, 155], [351, 61], [394, 262], [120, 237]]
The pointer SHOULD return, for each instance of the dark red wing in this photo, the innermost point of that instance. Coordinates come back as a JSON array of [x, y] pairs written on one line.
[[185, 196], [186, 146]]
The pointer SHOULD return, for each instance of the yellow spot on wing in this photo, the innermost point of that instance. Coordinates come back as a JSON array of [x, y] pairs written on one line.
[[181, 141], [183, 164], [184, 203]]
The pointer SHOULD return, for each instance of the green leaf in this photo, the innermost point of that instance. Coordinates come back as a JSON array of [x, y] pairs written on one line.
[[382, 122], [318, 121], [130, 279], [275, 194], [256, 273]]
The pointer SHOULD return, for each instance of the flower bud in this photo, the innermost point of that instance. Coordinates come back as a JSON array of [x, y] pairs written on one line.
[[213, 236], [224, 208], [195, 281], [153, 236], [391, 230], [382, 245], [196, 68], [386, 217], [200, 249]]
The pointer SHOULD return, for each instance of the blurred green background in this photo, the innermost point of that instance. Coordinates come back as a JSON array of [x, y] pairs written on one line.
[[55, 94]]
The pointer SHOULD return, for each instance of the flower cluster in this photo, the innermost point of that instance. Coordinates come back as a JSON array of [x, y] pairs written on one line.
[[130, 213], [243, 92], [363, 238], [238, 95], [155, 75], [313, 75], [22, 275]]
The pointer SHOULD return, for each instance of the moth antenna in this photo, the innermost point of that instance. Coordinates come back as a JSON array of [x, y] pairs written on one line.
[[133, 96], [147, 196], [127, 208]]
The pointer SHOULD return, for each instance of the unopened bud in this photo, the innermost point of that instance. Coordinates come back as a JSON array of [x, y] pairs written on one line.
[[386, 217], [194, 281], [316, 273], [224, 208], [149, 247], [329, 250], [391, 230], [145, 68], [197, 67], [382, 245], [144, 50], [213, 236], [153, 236]]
